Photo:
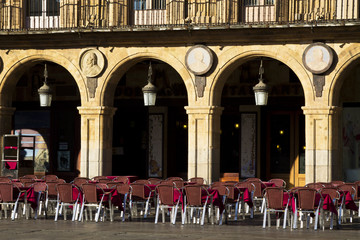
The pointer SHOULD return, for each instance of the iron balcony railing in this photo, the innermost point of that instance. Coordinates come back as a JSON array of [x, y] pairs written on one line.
[[20, 15]]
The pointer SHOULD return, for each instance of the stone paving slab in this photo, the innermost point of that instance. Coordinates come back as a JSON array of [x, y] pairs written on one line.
[[146, 229]]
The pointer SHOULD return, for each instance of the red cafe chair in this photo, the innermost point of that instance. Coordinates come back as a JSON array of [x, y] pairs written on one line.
[[167, 200], [65, 199], [274, 202]]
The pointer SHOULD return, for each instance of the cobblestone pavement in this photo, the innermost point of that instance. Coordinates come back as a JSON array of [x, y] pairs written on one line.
[[140, 229]]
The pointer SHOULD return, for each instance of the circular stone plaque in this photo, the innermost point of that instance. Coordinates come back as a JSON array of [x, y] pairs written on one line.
[[317, 58], [199, 59]]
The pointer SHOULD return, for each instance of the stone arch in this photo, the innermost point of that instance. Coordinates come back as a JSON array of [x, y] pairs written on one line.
[[347, 58], [108, 89], [28, 59], [239, 55]]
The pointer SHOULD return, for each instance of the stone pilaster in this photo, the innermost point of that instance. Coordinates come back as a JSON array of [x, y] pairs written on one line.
[[322, 159], [204, 142], [96, 140]]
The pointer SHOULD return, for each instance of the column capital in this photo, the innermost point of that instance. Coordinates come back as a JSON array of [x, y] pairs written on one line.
[[7, 110], [98, 110], [327, 110], [213, 110]]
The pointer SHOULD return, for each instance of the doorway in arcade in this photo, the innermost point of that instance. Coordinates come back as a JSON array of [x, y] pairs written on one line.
[[263, 141], [150, 141], [55, 129]]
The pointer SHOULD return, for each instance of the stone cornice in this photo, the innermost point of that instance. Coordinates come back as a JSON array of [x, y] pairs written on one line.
[[182, 36]]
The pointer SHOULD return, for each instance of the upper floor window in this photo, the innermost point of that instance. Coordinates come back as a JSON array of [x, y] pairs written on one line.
[[139, 4], [52, 7], [258, 2], [269, 2], [251, 2], [40, 7], [158, 4]]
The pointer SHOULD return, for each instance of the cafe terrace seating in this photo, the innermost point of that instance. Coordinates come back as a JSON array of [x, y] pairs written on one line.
[[168, 197], [357, 196], [351, 189], [257, 194], [142, 181], [198, 180], [30, 176], [224, 192], [198, 202], [336, 183], [337, 201], [26, 181], [124, 190], [97, 178], [140, 194], [5, 179], [334, 195], [41, 190], [154, 181], [305, 206], [123, 179], [232, 196], [11, 195], [52, 194], [79, 181], [276, 200], [251, 188], [278, 182], [316, 186], [66, 199], [93, 196], [50, 177]]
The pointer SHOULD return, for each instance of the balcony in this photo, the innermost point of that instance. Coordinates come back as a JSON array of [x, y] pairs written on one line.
[[111, 15]]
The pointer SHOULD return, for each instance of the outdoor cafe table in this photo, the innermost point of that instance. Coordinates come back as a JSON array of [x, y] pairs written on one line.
[[245, 197], [27, 193]]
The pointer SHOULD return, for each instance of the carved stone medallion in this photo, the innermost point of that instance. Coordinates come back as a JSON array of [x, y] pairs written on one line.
[[199, 59], [318, 58], [92, 63]]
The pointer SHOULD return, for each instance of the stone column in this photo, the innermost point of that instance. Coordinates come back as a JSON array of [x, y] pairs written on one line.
[[96, 141], [204, 142], [322, 159]]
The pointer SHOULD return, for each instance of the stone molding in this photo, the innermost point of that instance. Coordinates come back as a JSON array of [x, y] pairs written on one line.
[[329, 110], [100, 110], [213, 110]]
